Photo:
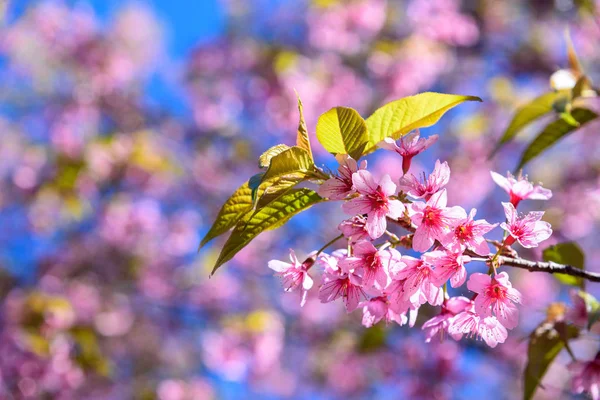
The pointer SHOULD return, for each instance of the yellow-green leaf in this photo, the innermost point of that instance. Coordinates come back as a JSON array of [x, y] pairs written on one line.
[[530, 112], [234, 208], [568, 253], [286, 170], [399, 117], [265, 159], [271, 215], [302, 139], [342, 130], [544, 345], [555, 131]]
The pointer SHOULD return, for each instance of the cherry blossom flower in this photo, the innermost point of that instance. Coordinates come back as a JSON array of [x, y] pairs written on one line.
[[586, 377], [468, 234], [440, 323], [338, 187], [528, 230], [448, 265], [337, 283], [409, 146], [579, 311], [489, 329], [520, 188], [355, 229], [428, 185], [294, 275], [498, 293], [377, 309], [372, 264], [417, 277], [374, 200], [433, 220]]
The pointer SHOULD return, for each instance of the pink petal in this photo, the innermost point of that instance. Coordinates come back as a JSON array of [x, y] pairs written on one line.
[[501, 181], [439, 200], [387, 186], [395, 209], [363, 182], [422, 239], [510, 212], [360, 205], [478, 282], [376, 224], [279, 266]]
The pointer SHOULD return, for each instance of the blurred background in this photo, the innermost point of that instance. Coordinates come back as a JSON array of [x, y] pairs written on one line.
[[125, 125]]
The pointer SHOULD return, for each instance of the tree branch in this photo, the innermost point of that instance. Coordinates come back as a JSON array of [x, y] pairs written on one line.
[[549, 267], [532, 266]]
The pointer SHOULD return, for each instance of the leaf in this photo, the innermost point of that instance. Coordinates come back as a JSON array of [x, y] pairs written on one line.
[[234, 208], [282, 208], [553, 132], [302, 139], [286, 170], [399, 117], [568, 253], [265, 159], [544, 345], [342, 130], [528, 113]]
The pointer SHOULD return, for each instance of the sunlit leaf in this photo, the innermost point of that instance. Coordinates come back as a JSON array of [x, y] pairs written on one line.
[[286, 170], [282, 208], [265, 159], [399, 117], [342, 130], [528, 113], [545, 342], [234, 208], [555, 131], [568, 253], [302, 139]]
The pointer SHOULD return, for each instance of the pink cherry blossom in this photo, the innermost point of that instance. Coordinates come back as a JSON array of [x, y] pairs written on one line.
[[355, 229], [337, 284], [409, 146], [374, 200], [433, 220], [578, 312], [468, 234], [338, 187], [520, 188], [377, 309], [528, 230], [440, 323], [498, 293], [417, 277], [372, 264], [294, 275], [489, 329], [448, 265], [586, 377], [426, 187]]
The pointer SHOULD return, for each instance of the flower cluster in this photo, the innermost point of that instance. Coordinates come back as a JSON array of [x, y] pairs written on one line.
[[373, 275]]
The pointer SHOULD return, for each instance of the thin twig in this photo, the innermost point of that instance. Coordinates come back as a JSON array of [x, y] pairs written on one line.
[[532, 266], [549, 267]]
